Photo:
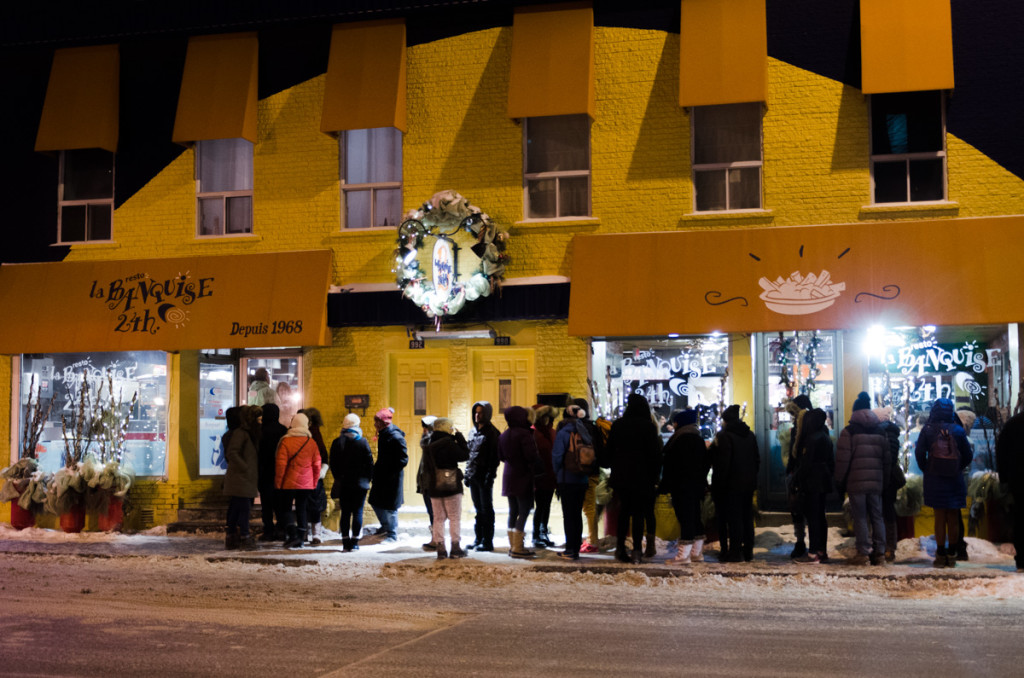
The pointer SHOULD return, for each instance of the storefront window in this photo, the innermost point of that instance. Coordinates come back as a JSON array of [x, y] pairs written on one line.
[[216, 395], [910, 367], [799, 363], [673, 374], [61, 376], [285, 375]]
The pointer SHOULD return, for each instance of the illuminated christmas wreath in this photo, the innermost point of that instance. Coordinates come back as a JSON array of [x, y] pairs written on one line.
[[441, 217]]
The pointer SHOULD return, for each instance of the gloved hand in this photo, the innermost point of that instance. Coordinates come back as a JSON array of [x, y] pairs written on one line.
[[323, 472]]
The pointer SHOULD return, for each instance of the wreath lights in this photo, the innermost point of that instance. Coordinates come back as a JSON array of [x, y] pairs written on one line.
[[443, 216]]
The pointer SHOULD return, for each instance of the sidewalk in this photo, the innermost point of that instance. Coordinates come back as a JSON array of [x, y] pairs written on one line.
[[771, 555]]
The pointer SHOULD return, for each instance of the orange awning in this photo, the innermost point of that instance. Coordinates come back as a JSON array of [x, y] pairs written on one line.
[[166, 304], [365, 85], [218, 89], [905, 46], [552, 71], [80, 110], [723, 52], [759, 279]]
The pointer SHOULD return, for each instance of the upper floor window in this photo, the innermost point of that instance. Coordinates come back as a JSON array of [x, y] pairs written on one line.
[[908, 147], [727, 159], [85, 195], [224, 186], [557, 161], [371, 177]]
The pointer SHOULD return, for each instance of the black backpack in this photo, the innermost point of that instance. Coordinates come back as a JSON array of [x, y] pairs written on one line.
[[943, 455]]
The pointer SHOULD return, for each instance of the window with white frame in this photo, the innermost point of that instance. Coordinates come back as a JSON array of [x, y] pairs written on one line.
[[556, 156], [371, 177], [727, 160], [224, 186], [85, 195], [908, 147]]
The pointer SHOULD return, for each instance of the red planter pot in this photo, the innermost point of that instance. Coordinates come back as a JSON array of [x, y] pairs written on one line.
[[20, 518], [74, 519], [111, 520]]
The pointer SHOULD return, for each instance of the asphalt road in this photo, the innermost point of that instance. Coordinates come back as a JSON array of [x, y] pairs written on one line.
[[74, 616]]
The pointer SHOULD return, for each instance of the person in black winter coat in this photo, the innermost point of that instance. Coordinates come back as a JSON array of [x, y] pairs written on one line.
[[272, 432], [1010, 465], [317, 502], [445, 450], [798, 408], [634, 449], [481, 470], [351, 463], [734, 463], [862, 465], [814, 464], [517, 448], [392, 457], [890, 484], [684, 475]]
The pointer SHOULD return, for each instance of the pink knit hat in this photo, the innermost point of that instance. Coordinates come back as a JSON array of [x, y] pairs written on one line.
[[384, 415]]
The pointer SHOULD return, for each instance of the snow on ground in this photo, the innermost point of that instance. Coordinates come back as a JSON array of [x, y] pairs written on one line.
[[989, 573]]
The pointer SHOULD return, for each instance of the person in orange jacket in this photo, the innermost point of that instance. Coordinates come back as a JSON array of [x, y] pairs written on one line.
[[297, 472]]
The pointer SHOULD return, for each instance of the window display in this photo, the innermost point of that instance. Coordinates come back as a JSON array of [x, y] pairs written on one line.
[[284, 376], [62, 376], [216, 395]]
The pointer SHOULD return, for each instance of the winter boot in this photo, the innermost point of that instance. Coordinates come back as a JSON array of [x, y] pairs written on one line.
[[697, 554], [652, 547], [961, 550], [316, 531], [940, 557], [295, 538], [518, 550], [441, 552], [545, 536], [231, 539], [430, 546], [267, 534], [247, 543], [456, 551], [637, 557], [620, 551], [799, 550], [683, 553], [346, 544], [538, 538]]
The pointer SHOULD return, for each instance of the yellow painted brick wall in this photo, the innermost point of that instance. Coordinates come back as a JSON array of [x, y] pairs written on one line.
[[816, 172]]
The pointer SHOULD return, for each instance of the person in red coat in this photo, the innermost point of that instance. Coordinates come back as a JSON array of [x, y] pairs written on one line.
[[297, 472]]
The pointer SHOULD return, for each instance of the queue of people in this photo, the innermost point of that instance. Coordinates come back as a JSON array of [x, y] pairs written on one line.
[[287, 467]]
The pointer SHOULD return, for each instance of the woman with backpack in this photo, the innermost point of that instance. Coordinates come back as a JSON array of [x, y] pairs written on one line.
[[572, 483], [943, 453]]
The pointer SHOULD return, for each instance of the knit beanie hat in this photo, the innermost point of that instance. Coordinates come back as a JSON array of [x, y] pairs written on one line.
[[444, 424], [803, 401], [384, 415], [732, 413], [863, 401], [300, 422], [684, 418], [583, 405], [351, 420], [428, 421]]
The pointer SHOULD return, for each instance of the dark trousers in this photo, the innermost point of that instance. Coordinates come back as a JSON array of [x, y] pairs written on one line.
[[813, 510], [542, 511], [739, 508], [572, 515], [519, 511], [483, 502], [686, 505], [1017, 511], [796, 511], [650, 522], [351, 517], [300, 498], [430, 506], [268, 510], [631, 509], [889, 517], [238, 514]]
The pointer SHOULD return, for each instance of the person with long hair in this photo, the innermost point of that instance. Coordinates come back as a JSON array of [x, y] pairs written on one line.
[[318, 499], [944, 487]]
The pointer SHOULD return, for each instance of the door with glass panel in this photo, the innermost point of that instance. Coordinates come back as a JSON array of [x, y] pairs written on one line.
[[791, 364], [418, 387], [216, 395], [285, 372]]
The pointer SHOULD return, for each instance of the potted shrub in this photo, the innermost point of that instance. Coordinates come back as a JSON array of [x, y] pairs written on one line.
[[65, 493], [106, 475], [24, 485]]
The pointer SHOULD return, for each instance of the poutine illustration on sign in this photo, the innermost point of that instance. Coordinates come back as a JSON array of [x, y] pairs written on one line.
[[800, 294]]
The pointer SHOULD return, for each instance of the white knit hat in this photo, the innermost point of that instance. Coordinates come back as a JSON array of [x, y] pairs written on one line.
[[351, 420], [444, 424]]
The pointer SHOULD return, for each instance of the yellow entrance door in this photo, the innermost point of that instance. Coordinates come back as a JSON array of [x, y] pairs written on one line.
[[418, 387], [504, 377]]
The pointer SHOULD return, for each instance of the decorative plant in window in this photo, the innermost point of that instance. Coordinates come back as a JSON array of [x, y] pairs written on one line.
[[442, 217], [105, 474], [23, 481], [66, 489]]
